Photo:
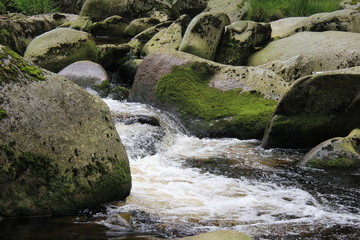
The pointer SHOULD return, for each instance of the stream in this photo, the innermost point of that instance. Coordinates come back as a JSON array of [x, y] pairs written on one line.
[[183, 185]]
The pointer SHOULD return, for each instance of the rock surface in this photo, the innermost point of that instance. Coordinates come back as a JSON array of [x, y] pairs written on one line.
[[340, 152], [316, 108], [236, 10], [138, 25], [203, 35], [190, 7], [219, 235], [59, 150], [111, 26], [60, 47]]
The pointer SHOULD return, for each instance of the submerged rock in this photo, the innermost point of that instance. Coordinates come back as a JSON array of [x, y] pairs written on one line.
[[203, 35], [316, 108], [61, 47], [59, 150], [219, 235], [340, 152]]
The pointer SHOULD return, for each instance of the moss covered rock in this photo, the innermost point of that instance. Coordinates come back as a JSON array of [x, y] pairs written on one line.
[[100, 9], [340, 152], [203, 35], [190, 7], [111, 56], [210, 99], [111, 26], [219, 235], [59, 150], [119, 93], [81, 23], [316, 108], [241, 40], [138, 25], [60, 47], [128, 70], [236, 10], [322, 51], [350, 4]]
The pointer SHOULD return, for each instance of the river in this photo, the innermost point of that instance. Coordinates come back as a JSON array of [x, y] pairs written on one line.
[[184, 185]]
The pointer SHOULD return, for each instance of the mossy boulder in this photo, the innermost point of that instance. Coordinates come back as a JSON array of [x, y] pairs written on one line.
[[111, 26], [219, 235], [138, 25], [203, 35], [81, 23], [69, 6], [236, 10], [169, 38], [342, 20], [128, 70], [322, 51], [17, 31], [350, 4], [87, 74], [59, 150], [211, 100], [119, 93], [316, 108], [340, 152], [190, 7], [60, 47], [111, 56], [240, 40], [98, 10]]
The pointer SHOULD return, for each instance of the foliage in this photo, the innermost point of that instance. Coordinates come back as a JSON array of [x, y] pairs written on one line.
[[28, 7], [269, 10]]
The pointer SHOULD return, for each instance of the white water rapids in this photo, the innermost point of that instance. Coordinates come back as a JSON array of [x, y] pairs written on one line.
[[165, 186]]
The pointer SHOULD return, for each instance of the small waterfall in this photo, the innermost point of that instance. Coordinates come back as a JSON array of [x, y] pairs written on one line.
[[183, 185]]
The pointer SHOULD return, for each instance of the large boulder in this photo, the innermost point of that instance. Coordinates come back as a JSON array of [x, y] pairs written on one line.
[[219, 235], [203, 35], [138, 25], [18, 31], [211, 99], [322, 51], [100, 9], [111, 26], [111, 56], [316, 108], [169, 38], [342, 20], [236, 10], [340, 152], [59, 150], [190, 7], [60, 47], [240, 40]]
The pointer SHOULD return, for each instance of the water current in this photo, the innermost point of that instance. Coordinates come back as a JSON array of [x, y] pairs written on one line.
[[184, 185]]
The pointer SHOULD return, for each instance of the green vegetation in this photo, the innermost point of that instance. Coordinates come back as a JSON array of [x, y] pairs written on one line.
[[28, 7], [354, 2], [269, 10], [219, 113], [333, 163], [3, 113]]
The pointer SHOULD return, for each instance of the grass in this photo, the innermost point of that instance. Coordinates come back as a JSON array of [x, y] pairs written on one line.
[[28, 7], [269, 10]]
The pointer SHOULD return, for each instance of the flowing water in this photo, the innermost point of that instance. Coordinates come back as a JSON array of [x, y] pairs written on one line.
[[184, 185]]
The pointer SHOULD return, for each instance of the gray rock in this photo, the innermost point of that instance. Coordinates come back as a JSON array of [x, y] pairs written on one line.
[[60, 47], [236, 10], [59, 150], [203, 35], [350, 4], [219, 235], [241, 40], [340, 152], [316, 108]]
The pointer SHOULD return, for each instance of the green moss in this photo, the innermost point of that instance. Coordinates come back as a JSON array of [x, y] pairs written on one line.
[[354, 2], [220, 112], [333, 163], [33, 71], [3, 114]]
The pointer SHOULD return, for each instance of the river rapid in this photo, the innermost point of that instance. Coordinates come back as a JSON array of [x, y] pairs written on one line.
[[183, 185]]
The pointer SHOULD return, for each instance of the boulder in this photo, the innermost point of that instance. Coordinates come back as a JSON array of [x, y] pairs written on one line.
[[60, 47], [148, 33], [322, 51], [169, 38], [59, 150], [236, 10], [81, 23], [111, 56], [210, 99], [128, 70], [350, 4], [87, 74], [138, 25], [340, 152], [203, 35], [69, 6], [111, 26], [190, 7], [316, 108], [219, 235], [119, 93], [98, 10], [241, 40], [342, 20], [18, 31]]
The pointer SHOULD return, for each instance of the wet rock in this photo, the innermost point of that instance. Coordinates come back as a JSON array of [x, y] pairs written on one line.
[[236, 10], [315, 49], [87, 74], [119, 93], [240, 41], [169, 38], [340, 152], [60, 47], [342, 20], [203, 35], [111, 56], [219, 235], [151, 120], [138, 25], [98, 10], [120, 221], [128, 70], [158, 82], [316, 108], [111, 26], [59, 150], [190, 7], [18, 31]]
